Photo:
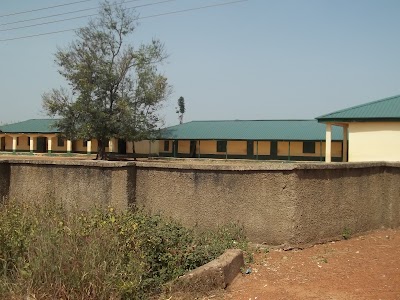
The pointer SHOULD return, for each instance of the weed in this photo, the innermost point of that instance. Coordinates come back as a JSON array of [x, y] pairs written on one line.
[[52, 253], [346, 234]]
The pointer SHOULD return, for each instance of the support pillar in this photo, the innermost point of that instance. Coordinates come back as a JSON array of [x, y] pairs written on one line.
[[31, 144], [89, 147], [1, 137], [49, 144], [199, 148], [150, 154], [328, 145], [257, 150], [14, 145], [345, 139], [110, 146], [69, 146]]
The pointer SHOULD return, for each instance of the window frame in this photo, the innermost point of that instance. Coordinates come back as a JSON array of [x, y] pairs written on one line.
[[222, 146], [309, 147], [60, 141], [166, 146]]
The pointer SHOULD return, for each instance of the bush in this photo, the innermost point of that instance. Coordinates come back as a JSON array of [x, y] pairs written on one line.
[[48, 253]]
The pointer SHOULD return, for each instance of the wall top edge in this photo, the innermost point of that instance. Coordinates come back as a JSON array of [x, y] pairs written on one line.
[[68, 162], [206, 164]]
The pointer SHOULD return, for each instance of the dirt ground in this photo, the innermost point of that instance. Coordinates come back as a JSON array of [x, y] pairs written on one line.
[[363, 267]]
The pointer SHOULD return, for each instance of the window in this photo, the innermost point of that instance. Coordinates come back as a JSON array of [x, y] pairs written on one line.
[[166, 145], [221, 146], [17, 140], [308, 147], [60, 142], [29, 140]]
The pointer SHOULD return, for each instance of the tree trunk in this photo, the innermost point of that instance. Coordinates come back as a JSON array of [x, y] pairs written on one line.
[[133, 150], [101, 150]]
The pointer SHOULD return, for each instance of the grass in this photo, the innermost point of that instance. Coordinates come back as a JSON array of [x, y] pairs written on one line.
[[49, 253]]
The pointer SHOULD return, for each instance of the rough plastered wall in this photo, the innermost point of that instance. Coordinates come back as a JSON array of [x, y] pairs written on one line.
[[354, 198], [73, 183], [278, 203], [291, 204], [213, 195]]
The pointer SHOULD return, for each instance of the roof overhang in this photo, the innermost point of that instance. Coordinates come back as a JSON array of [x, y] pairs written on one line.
[[351, 120]]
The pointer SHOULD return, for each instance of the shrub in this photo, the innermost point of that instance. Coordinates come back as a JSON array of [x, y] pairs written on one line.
[[49, 253]]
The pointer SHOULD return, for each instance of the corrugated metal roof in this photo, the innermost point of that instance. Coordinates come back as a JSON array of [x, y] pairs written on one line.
[[384, 109], [31, 126], [290, 130]]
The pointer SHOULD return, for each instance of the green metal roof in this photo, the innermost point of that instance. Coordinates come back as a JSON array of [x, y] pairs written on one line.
[[31, 126], [380, 110], [289, 130]]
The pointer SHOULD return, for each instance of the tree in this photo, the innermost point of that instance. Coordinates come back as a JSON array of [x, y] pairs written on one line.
[[180, 110], [115, 90]]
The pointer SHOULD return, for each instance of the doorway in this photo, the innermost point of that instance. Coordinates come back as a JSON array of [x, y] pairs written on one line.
[[274, 150], [193, 149], [250, 149], [41, 143], [121, 146]]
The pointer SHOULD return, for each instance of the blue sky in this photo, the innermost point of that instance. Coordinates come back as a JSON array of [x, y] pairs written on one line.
[[259, 59]]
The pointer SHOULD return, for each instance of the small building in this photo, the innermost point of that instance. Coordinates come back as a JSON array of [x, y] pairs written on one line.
[[257, 139], [41, 136], [371, 130]]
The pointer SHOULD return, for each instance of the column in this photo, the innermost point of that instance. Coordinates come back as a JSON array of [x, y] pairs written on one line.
[[89, 147], [110, 145], [345, 139], [49, 142], [14, 144], [31, 144], [0, 141], [328, 145], [149, 148], [199, 148], [69, 146]]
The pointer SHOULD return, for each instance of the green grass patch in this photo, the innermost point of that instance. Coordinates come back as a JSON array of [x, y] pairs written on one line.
[[49, 253]]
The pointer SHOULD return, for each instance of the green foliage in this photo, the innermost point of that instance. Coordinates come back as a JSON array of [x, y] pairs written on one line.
[[346, 234], [115, 89], [50, 253]]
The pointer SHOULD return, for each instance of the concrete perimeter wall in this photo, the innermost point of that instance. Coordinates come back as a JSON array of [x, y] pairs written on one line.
[[278, 203]]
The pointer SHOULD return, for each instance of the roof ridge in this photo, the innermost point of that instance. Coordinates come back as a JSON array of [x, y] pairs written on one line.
[[358, 106]]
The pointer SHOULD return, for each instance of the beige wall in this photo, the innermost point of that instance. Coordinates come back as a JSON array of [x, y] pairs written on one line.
[[236, 147], [296, 149], [264, 148], [161, 146], [209, 147], [183, 147], [291, 204], [141, 147], [55, 147], [144, 147], [374, 141]]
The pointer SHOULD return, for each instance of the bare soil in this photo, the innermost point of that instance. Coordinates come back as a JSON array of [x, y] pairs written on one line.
[[363, 267]]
